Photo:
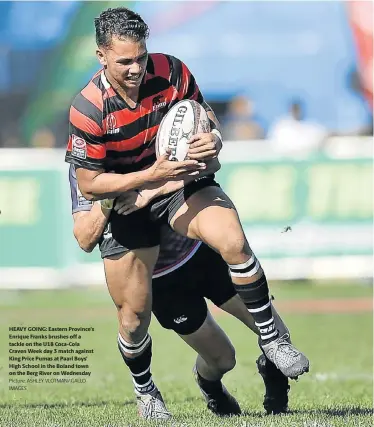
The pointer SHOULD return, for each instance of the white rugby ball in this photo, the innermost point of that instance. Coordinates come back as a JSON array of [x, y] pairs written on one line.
[[181, 122]]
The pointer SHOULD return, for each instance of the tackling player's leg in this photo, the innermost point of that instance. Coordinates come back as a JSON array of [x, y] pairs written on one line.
[[209, 215], [216, 356], [178, 305], [276, 383]]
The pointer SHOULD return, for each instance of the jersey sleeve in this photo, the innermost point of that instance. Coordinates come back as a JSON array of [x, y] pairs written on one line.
[[186, 83], [86, 146], [78, 202]]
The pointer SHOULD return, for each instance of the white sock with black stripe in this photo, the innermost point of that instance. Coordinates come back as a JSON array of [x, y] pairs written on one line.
[[255, 295], [139, 364]]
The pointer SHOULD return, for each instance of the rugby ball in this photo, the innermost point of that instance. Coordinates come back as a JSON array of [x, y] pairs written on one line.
[[181, 122]]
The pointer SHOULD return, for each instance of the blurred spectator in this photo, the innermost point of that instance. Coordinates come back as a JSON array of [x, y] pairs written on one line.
[[354, 109], [239, 122], [293, 135], [43, 138], [9, 135]]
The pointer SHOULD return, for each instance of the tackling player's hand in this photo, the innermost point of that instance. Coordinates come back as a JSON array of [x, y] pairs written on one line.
[[164, 169], [131, 201], [106, 203], [204, 146], [212, 166]]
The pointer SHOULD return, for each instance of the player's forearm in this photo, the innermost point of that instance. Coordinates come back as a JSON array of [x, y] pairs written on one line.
[[214, 123], [89, 226], [215, 128], [111, 185]]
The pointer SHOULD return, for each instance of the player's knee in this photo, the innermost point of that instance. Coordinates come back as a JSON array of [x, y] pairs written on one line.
[[234, 249], [133, 321], [130, 324]]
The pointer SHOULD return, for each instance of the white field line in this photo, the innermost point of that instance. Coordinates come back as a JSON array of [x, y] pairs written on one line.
[[334, 376]]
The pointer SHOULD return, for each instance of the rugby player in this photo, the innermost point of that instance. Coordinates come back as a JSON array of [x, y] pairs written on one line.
[[113, 125], [185, 273]]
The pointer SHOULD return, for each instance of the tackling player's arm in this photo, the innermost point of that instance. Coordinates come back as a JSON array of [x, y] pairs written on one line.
[[89, 226], [134, 200], [87, 151], [212, 166], [89, 218], [98, 184]]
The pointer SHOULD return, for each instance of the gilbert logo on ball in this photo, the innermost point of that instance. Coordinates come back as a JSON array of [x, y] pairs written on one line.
[[183, 120], [175, 131]]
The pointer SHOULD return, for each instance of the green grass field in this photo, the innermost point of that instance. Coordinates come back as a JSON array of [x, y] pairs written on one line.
[[336, 392]]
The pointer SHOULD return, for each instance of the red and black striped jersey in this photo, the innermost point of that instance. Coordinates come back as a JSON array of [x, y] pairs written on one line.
[[105, 133]]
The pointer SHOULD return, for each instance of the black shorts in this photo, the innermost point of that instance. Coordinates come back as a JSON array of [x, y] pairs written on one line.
[[178, 297], [128, 232], [141, 229]]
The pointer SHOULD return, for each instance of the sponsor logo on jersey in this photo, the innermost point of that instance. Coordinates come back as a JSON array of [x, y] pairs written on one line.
[[158, 102], [111, 124], [78, 147], [180, 319]]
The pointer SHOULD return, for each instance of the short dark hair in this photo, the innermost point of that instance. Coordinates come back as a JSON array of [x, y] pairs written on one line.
[[120, 22]]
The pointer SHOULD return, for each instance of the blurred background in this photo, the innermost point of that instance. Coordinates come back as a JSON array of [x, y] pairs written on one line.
[[291, 82]]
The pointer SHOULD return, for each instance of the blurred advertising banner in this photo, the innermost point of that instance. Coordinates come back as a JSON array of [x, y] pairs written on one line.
[[361, 21], [305, 218], [314, 207]]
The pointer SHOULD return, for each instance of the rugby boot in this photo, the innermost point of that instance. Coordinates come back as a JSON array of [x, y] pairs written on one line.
[[287, 358], [276, 387], [220, 402], [152, 406]]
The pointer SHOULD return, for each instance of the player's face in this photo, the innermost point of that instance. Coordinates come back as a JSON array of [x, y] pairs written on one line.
[[125, 61]]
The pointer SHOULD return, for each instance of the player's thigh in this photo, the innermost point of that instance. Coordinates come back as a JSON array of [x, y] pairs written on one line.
[[212, 344], [129, 275], [129, 247], [209, 215]]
